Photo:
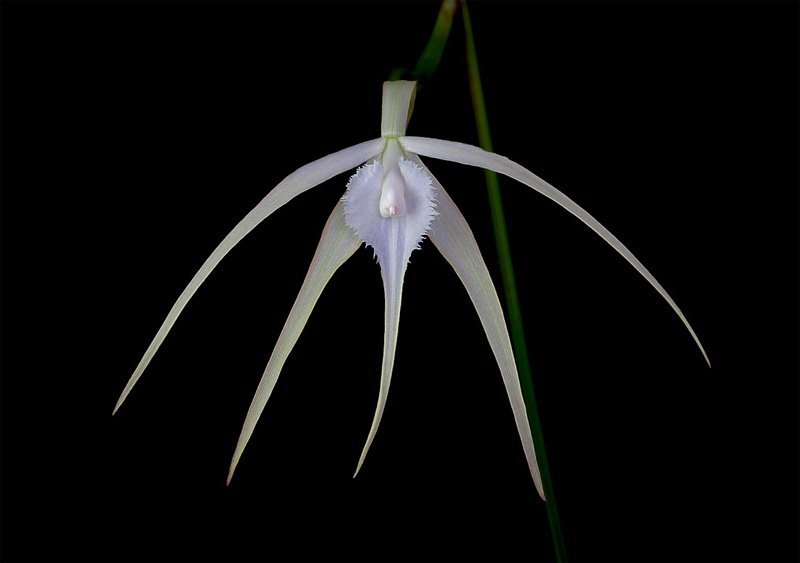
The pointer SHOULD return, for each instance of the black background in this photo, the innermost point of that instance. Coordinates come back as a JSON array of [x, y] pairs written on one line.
[[135, 135]]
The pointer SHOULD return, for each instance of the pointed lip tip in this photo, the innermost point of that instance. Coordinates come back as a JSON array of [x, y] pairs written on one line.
[[358, 467], [118, 405]]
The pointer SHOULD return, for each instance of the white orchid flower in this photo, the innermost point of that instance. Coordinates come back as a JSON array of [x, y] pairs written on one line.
[[392, 202]]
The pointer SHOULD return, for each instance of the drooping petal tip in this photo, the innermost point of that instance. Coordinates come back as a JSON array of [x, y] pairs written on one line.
[[474, 156]]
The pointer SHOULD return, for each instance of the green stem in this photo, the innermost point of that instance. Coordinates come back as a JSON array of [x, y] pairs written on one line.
[[432, 54], [510, 290]]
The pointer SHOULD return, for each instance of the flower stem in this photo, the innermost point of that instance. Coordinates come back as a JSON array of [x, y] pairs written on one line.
[[432, 54], [424, 69], [510, 290]]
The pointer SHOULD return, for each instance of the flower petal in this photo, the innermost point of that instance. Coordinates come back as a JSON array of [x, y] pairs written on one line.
[[474, 156], [337, 244], [454, 239], [296, 183], [393, 239]]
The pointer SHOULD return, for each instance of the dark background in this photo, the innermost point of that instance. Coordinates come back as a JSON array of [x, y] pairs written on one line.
[[136, 135]]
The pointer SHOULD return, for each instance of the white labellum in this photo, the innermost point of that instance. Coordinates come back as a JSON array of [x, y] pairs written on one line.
[[390, 205]]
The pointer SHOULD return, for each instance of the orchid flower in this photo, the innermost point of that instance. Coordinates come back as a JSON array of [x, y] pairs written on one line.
[[392, 202]]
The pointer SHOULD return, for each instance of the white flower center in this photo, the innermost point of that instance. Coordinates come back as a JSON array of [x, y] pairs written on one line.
[[390, 204], [393, 186]]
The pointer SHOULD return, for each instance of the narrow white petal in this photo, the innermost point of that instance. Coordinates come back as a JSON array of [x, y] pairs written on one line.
[[296, 183], [393, 268], [474, 156], [393, 237], [454, 239], [337, 244]]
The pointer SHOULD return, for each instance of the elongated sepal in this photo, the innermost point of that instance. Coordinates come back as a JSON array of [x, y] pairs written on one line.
[[296, 183], [398, 101], [474, 156], [454, 239], [337, 244]]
